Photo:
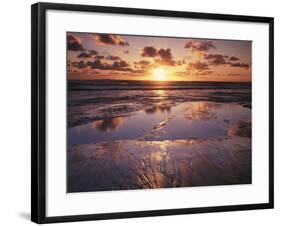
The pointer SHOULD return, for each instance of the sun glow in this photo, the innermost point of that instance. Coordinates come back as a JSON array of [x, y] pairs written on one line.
[[159, 74]]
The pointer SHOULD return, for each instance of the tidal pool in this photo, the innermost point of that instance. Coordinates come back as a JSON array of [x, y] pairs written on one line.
[[162, 146], [164, 122]]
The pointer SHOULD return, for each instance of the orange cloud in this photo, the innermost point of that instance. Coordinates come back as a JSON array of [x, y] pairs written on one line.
[[108, 39], [162, 56], [199, 46], [74, 43]]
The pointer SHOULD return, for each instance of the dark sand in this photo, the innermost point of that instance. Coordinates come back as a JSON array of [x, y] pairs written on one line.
[[133, 164]]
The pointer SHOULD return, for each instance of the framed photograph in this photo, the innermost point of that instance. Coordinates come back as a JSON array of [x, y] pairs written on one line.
[[141, 112]]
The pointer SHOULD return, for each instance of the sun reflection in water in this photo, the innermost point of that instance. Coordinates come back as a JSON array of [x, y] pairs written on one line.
[[160, 92], [201, 111]]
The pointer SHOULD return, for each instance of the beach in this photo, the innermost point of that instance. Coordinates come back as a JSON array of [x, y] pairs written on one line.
[[125, 135]]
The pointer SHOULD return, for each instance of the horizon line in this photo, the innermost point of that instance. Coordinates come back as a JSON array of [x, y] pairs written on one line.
[[131, 80]]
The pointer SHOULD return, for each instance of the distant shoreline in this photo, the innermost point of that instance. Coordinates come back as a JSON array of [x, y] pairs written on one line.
[[155, 88], [97, 85], [154, 82]]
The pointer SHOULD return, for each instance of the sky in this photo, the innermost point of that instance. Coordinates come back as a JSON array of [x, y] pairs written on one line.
[[130, 57]]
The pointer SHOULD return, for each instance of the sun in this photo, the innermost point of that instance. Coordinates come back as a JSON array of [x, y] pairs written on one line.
[[159, 74]]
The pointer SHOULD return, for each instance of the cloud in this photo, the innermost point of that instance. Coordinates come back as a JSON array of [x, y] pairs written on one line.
[[198, 65], [142, 64], [216, 59], [96, 64], [180, 62], [74, 43], [111, 57], [116, 65], [120, 64], [205, 72], [84, 55], [219, 59], [162, 56], [198, 68], [108, 39], [94, 54], [233, 58], [165, 54], [97, 61], [87, 54], [166, 57], [239, 64], [149, 51], [79, 64], [199, 46], [99, 57]]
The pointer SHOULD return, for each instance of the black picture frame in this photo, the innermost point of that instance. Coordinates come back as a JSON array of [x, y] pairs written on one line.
[[38, 110]]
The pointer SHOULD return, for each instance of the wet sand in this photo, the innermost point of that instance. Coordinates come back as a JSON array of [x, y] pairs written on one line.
[[133, 164], [190, 144], [141, 139], [88, 106]]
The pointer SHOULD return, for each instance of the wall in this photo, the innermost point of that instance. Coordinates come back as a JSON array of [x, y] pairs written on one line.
[[15, 111]]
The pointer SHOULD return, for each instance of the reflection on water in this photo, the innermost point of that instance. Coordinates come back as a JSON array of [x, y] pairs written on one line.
[[108, 124], [87, 106], [161, 108], [163, 122], [202, 111], [241, 129], [157, 142]]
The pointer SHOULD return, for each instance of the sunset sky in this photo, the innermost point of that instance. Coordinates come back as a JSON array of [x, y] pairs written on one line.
[[128, 57]]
